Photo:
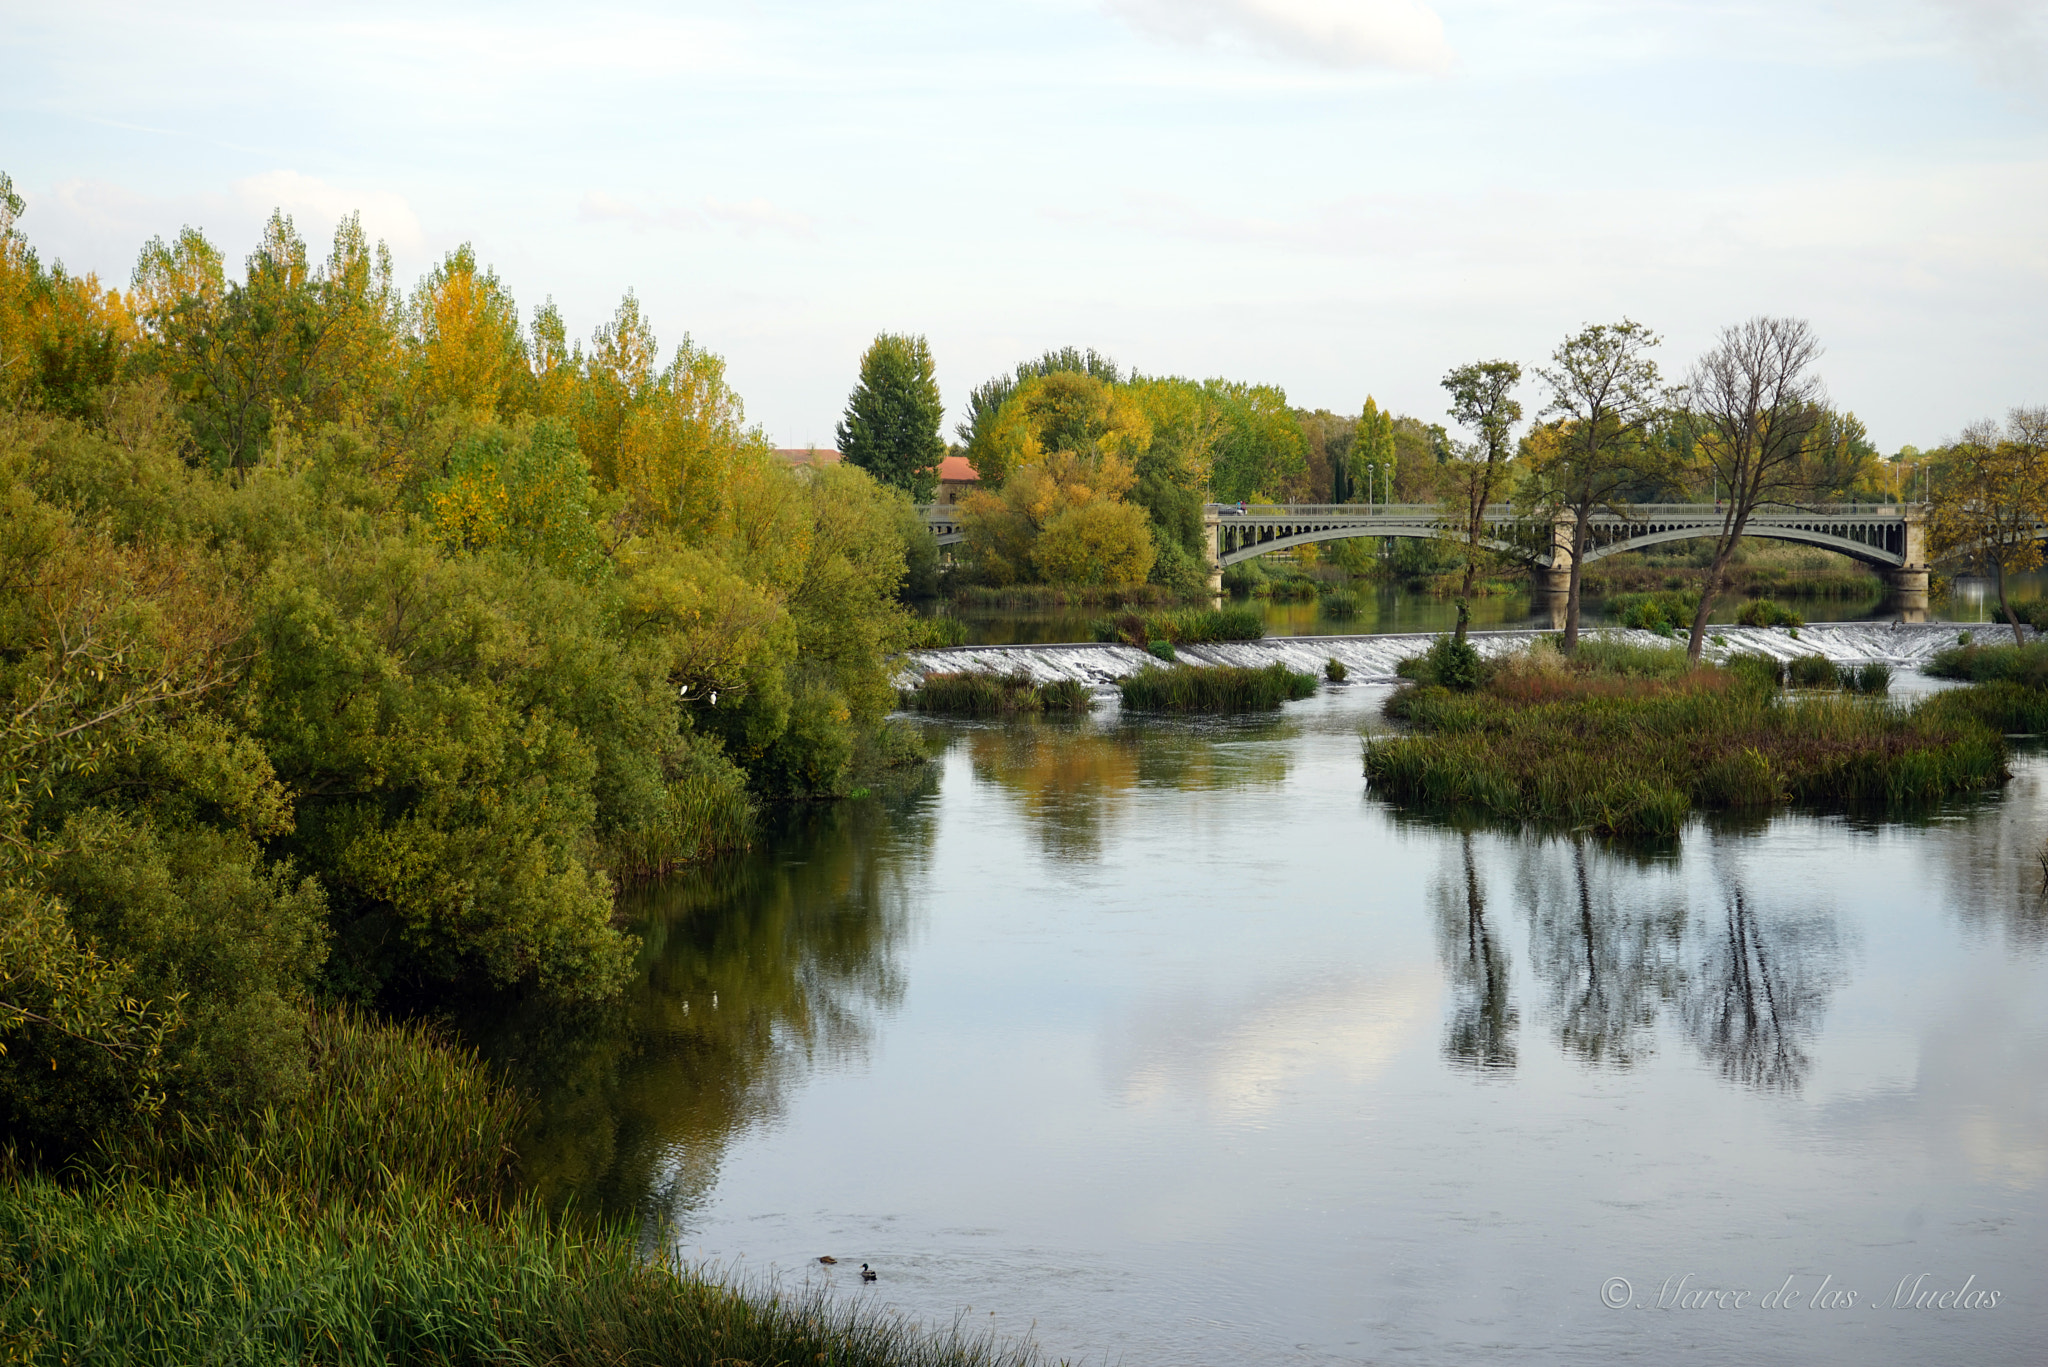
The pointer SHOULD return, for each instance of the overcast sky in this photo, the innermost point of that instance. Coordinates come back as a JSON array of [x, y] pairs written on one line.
[[1341, 197]]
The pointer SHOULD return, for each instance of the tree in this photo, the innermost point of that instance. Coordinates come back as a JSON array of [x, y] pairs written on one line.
[[986, 399], [893, 416], [1370, 468], [1992, 498], [1753, 406], [1261, 451], [1604, 385], [1480, 403]]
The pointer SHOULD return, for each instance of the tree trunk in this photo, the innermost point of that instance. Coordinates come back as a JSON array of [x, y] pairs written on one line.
[[1571, 596], [2018, 637], [1710, 587]]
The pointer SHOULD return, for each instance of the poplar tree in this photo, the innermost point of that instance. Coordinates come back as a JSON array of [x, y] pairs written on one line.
[[893, 416]]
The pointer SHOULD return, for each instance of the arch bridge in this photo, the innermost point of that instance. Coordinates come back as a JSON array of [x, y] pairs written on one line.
[[1890, 537]]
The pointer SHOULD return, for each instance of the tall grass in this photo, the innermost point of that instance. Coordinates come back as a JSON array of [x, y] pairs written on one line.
[[1191, 626], [937, 633], [374, 1223], [1624, 755], [974, 693], [1339, 605], [1222, 688], [1762, 612], [705, 812]]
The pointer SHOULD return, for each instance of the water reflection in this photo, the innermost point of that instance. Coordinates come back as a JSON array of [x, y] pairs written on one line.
[[752, 972], [1480, 1033], [1074, 779], [1757, 991], [1608, 960]]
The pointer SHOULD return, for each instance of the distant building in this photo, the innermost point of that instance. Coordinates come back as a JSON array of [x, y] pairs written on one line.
[[956, 477]]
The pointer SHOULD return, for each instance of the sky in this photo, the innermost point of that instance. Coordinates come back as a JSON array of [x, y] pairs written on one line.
[[1340, 197]]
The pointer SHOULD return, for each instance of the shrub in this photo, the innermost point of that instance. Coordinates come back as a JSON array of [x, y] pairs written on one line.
[[1762, 612], [1160, 649], [1873, 679], [1448, 663], [1065, 695], [1292, 590], [1812, 671], [1659, 612], [1335, 671], [1760, 671], [1221, 688], [1194, 626]]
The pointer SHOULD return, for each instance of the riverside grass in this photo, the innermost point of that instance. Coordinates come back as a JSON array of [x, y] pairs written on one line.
[[976, 693], [1634, 756], [1194, 626], [375, 1222], [1213, 688]]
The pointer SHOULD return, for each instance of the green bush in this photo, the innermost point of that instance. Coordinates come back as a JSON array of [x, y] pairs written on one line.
[[1448, 663], [937, 633], [1873, 679], [1219, 688], [1762, 612], [1660, 612], [1065, 695], [1162, 650], [1292, 590], [1335, 671]]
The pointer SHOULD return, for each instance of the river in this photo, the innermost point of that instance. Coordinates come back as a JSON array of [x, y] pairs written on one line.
[[1165, 1042]]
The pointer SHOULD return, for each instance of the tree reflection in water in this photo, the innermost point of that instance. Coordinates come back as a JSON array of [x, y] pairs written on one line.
[[1480, 1033], [1616, 955], [752, 972], [1757, 991]]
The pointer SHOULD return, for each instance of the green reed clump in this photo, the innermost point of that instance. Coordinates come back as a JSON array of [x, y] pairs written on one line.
[[1762, 612], [1812, 671], [1339, 605], [1219, 688], [1190, 626], [1600, 655], [1291, 590], [2011, 709], [937, 633], [1448, 663], [705, 811], [2027, 664], [974, 693], [1335, 671], [1627, 755], [1873, 679]]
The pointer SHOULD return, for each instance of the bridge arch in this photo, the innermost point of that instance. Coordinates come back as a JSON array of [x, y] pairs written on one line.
[[1281, 543], [1855, 550]]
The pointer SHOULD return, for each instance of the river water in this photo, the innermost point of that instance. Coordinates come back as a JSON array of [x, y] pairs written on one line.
[[1165, 1042]]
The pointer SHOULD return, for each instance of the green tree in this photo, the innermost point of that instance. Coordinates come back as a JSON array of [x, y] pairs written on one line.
[[1604, 387], [1370, 470], [986, 399], [1991, 498], [893, 417], [1482, 402]]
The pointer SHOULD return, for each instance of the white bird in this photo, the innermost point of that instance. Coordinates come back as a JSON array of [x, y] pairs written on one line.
[[683, 692], [714, 697]]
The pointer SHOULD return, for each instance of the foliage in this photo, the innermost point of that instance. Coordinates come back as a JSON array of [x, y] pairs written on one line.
[[1812, 671], [1213, 688], [1339, 605], [1372, 464], [937, 633], [1335, 671], [1762, 612], [893, 416], [1992, 496], [1060, 449]]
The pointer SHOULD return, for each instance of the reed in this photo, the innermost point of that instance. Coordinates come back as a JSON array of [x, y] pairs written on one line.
[[973, 693], [1192, 626], [1339, 605], [705, 812], [1632, 756], [1762, 612], [1221, 688], [2022, 664], [937, 633]]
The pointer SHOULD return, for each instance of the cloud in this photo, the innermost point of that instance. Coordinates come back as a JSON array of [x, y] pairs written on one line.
[[316, 206], [1405, 35], [2008, 37]]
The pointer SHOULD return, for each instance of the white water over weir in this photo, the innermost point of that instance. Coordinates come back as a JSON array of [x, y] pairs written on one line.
[[1902, 645]]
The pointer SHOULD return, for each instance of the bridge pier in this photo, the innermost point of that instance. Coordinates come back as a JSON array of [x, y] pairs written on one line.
[[1907, 592], [1212, 548]]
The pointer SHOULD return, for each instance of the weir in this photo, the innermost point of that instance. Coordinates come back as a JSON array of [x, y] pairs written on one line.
[[1372, 658]]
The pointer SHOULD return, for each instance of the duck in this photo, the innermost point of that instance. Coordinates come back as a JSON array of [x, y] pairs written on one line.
[[829, 1260], [867, 1274]]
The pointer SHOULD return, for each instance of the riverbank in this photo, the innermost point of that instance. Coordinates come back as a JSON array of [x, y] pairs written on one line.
[[1374, 658]]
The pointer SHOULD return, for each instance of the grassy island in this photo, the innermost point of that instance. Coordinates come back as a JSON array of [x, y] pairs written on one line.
[[1214, 688], [1628, 741], [976, 693]]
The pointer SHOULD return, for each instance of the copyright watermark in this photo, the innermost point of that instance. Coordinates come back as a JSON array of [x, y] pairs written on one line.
[[1921, 1291]]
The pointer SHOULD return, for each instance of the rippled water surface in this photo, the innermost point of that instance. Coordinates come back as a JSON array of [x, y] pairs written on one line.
[[1168, 1043]]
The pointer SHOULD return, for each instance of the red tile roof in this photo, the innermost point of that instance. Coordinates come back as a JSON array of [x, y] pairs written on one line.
[[956, 470]]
